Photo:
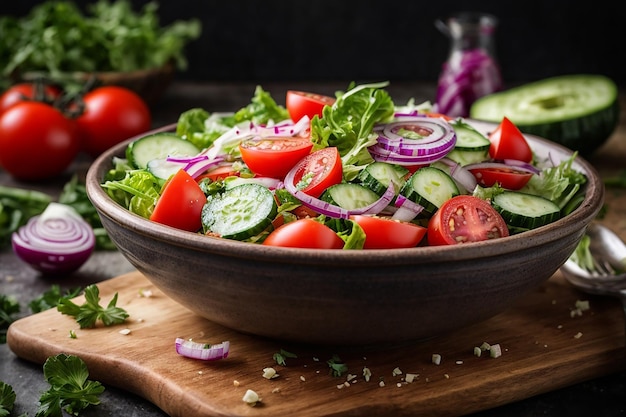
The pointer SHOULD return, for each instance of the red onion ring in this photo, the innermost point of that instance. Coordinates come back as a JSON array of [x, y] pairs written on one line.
[[202, 351], [331, 210], [58, 240]]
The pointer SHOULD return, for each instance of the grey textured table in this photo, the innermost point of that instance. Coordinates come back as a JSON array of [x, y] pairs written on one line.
[[604, 396]]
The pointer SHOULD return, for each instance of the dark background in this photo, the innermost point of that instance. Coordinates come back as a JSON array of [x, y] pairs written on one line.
[[283, 40]]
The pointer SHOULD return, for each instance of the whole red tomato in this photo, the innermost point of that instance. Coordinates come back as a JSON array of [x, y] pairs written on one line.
[[27, 91], [36, 141], [112, 114]]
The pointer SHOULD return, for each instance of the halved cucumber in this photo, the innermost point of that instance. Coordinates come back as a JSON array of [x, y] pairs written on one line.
[[525, 211], [158, 146], [579, 111]]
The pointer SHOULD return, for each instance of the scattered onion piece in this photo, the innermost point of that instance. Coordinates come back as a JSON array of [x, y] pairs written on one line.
[[202, 351], [57, 241]]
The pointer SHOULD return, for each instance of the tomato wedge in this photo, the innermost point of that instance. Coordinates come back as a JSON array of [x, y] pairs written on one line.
[[508, 142], [302, 103], [508, 178], [180, 204], [385, 233], [304, 233], [317, 171], [464, 219], [274, 156]]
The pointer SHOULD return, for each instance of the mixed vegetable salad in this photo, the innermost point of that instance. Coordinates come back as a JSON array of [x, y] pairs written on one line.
[[354, 171]]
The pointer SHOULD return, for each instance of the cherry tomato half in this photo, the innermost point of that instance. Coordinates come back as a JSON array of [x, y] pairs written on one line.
[[464, 219], [36, 141], [274, 156], [318, 171], [304, 233], [384, 233], [180, 204], [27, 91], [112, 114], [508, 178], [302, 103], [508, 142]]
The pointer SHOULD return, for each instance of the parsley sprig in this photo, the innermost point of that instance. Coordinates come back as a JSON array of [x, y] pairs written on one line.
[[91, 311], [70, 390], [7, 399], [9, 307]]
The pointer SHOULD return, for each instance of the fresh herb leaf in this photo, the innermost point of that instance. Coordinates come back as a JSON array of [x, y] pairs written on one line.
[[348, 124], [281, 357], [70, 388], [8, 308], [91, 311], [7, 399], [57, 38], [51, 298], [336, 365]]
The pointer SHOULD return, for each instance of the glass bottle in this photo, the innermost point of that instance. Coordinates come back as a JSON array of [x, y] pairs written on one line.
[[471, 70]]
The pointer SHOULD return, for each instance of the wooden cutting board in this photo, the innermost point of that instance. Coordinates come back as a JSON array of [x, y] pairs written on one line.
[[544, 347]]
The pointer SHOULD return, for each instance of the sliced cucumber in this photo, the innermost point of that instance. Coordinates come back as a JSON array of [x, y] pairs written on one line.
[[349, 196], [468, 138], [158, 146], [162, 168], [525, 211], [240, 212], [579, 111], [377, 176], [430, 187]]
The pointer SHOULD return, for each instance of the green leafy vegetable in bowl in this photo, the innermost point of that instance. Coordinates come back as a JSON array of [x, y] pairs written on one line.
[[58, 38]]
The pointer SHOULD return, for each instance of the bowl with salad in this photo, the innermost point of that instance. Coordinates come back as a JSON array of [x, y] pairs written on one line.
[[345, 220]]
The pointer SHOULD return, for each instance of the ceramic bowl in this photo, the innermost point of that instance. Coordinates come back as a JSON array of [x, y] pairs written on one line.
[[335, 297]]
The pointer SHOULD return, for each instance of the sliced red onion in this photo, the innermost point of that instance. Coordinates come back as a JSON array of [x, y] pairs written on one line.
[[460, 174], [522, 165], [246, 130], [57, 241], [384, 155], [440, 136], [467, 76], [202, 351], [510, 164], [407, 209], [331, 210]]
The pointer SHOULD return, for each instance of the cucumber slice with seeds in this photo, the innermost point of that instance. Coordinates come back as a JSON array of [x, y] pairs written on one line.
[[240, 212], [349, 196], [579, 111], [430, 187]]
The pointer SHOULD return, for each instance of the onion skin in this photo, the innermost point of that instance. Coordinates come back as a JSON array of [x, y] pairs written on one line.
[[58, 241]]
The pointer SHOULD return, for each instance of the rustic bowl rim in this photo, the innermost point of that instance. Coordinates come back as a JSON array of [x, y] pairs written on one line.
[[586, 211]]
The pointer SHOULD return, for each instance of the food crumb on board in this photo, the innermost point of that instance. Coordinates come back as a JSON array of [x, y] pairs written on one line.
[[436, 359], [410, 377], [251, 398], [396, 371], [578, 335], [367, 373], [269, 373], [124, 331], [236, 383]]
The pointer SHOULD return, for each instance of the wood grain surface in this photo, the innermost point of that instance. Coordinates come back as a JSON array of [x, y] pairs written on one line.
[[545, 346]]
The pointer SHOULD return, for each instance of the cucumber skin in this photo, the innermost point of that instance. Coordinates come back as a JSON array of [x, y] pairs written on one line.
[[582, 132]]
